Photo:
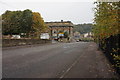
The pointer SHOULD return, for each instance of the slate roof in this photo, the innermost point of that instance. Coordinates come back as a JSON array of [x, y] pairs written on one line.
[[60, 24]]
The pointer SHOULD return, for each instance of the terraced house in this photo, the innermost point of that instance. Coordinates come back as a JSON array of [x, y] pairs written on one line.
[[61, 29]]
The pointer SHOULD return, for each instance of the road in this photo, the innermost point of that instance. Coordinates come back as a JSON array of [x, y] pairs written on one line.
[[60, 60]]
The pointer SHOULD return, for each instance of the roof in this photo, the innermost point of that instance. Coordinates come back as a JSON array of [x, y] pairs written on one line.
[[60, 24]]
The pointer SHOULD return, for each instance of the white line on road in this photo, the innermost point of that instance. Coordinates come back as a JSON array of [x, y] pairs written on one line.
[[65, 72]]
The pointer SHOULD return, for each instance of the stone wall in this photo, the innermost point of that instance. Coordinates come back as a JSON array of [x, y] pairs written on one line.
[[19, 42]]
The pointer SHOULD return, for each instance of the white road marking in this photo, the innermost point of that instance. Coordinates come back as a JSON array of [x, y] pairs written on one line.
[[65, 72]]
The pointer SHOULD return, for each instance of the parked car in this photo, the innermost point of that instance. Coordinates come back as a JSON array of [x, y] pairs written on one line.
[[77, 40], [16, 37]]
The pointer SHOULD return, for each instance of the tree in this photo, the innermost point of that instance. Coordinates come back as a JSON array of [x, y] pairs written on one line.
[[6, 22], [11, 22], [38, 25], [107, 29], [83, 28], [16, 22], [106, 19], [26, 22]]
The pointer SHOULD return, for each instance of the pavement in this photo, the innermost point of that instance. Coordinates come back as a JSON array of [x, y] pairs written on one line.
[[60, 60]]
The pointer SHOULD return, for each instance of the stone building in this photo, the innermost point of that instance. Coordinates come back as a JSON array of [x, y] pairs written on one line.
[[58, 29]]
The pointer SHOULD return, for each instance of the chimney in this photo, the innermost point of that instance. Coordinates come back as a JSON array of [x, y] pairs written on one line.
[[61, 20]]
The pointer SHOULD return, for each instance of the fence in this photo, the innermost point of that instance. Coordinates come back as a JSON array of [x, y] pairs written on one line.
[[111, 48]]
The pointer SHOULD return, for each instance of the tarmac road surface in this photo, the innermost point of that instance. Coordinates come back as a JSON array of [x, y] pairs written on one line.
[[60, 60]]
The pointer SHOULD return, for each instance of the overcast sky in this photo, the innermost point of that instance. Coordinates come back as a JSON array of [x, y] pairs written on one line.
[[77, 11]]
